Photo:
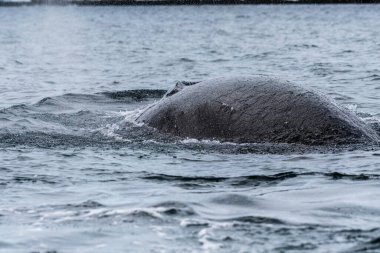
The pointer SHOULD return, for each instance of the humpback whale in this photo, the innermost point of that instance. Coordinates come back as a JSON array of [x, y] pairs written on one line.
[[255, 109]]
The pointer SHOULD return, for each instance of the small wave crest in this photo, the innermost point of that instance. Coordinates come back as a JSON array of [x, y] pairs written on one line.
[[193, 182], [211, 181], [116, 130], [136, 95]]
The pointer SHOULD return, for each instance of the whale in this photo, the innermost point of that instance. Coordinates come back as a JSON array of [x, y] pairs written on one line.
[[255, 109]]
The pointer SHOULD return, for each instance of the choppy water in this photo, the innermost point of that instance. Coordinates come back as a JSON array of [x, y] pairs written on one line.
[[77, 176]]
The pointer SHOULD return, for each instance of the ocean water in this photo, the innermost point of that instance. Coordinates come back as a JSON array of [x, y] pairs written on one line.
[[78, 175]]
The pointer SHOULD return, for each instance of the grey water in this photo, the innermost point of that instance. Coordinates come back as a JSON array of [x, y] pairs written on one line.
[[78, 175]]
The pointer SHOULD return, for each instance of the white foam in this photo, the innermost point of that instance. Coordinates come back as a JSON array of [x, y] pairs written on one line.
[[131, 116], [110, 130], [193, 222], [203, 141], [352, 107], [207, 244], [90, 214]]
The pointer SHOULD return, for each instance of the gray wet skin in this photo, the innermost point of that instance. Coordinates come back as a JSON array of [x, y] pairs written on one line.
[[253, 110]]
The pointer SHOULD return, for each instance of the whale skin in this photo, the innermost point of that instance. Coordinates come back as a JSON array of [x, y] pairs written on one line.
[[255, 109]]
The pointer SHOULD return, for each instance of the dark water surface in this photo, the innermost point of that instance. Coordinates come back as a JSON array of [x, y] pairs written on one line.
[[77, 175]]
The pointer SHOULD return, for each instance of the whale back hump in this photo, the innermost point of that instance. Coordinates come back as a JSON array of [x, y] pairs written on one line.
[[256, 109]]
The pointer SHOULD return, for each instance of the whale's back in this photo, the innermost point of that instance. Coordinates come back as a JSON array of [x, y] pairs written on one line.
[[256, 109]]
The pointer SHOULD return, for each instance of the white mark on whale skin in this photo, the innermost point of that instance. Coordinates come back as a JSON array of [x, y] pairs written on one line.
[[226, 105]]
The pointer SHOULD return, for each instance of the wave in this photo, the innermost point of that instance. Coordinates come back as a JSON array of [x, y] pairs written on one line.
[[136, 95], [251, 180], [370, 246], [256, 220], [108, 118]]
